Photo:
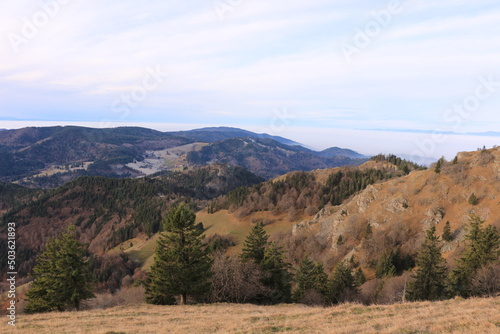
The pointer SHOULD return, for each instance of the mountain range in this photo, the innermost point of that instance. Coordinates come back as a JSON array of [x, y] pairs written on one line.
[[49, 157]]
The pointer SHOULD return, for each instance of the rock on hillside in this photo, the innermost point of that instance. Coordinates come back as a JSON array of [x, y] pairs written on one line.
[[399, 210]]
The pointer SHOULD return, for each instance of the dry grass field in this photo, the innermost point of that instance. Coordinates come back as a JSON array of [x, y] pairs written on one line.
[[452, 316]]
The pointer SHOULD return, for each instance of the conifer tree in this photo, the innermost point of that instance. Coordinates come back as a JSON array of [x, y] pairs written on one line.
[[278, 278], [310, 275], [359, 277], [439, 164], [385, 266], [447, 235], [482, 248], [255, 244], [61, 276], [341, 283], [181, 266], [473, 200], [430, 277], [368, 231]]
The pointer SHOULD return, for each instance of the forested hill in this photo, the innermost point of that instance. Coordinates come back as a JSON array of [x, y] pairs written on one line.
[[109, 211], [266, 157], [49, 157], [299, 193]]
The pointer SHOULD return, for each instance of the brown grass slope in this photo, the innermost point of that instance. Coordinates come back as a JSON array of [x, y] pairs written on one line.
[[451, 316], [400, 210]]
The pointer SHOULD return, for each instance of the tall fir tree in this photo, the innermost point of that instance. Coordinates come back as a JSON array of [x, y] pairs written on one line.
[[62, 279], [181, 265], [429, 280], [277, 276], [255, 244], [309, 276], [482, 247], [342, 283]]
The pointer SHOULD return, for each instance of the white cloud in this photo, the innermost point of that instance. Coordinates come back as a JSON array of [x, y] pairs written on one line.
[[263, 55]]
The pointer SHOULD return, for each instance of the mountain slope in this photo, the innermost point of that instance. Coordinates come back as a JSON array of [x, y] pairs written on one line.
[[265, 157], [28, 151], [108, 211], [49, 157], [399, 210]]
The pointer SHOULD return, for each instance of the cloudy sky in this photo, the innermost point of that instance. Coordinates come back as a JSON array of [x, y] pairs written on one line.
[[376, 76]]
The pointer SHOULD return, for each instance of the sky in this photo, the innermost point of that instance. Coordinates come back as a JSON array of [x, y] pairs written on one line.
[[409, 77]]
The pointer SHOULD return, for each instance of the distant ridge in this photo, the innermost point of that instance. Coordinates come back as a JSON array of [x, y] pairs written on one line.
[[213, 134], [46, 157]]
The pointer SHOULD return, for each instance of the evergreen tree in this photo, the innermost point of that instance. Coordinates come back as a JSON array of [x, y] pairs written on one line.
[[473, 200], [359, 277], [482, 248], [278, 278], [61, 276], [430, 277], [447, 235], [310, 275], [341, 283], [385, 266], [181, 265], [368, 231], [439, 164], [255, 244]]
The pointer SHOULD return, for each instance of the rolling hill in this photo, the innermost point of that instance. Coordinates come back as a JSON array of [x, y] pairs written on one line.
[[49, 157], [107, 211]]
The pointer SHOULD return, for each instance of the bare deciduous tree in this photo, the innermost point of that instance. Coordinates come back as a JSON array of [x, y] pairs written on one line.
[[234, 281]]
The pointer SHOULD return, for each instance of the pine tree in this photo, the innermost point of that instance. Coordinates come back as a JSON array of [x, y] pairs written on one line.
[[430, 277], [278, 278], [359, 277], [61, 276], [255, 244], [482, 248], [341, 283], [447, 235], [310, 275], [181, 265], [385, 266]]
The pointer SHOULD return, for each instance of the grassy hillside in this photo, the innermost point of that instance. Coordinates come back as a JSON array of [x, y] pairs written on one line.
[[399, 210], [472, 316]]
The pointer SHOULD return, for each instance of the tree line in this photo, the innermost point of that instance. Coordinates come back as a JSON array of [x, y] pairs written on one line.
[[188, 270]]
